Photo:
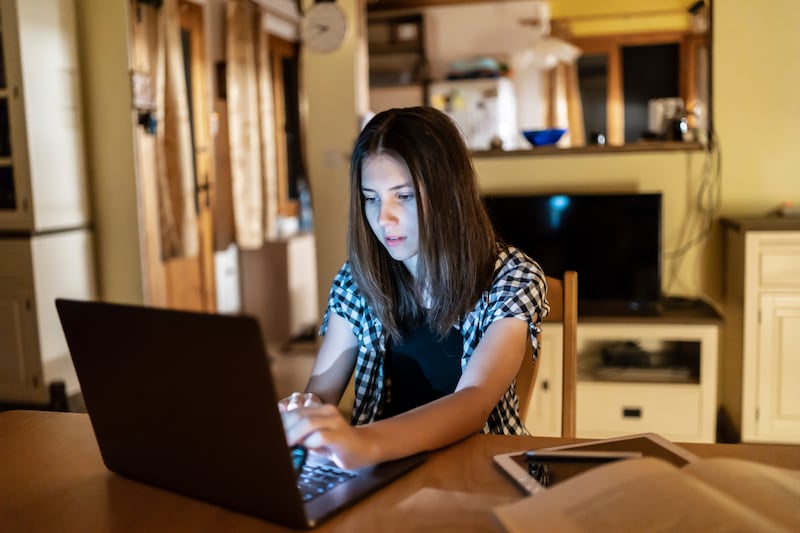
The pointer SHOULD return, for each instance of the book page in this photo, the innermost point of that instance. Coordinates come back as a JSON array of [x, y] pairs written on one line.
[[635, 495], [774, 491]]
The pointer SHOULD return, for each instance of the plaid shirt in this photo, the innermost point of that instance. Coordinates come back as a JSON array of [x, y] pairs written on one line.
[[518, 290]]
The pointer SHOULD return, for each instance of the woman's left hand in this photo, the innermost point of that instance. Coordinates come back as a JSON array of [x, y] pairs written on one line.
[[298, 399], [323, 429]]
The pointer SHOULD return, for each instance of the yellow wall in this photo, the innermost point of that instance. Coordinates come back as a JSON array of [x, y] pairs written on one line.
[[756, 76], [103, 44], [674, 174], [334, 88]]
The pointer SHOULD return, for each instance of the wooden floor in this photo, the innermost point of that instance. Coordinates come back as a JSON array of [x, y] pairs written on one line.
[[291, 366]]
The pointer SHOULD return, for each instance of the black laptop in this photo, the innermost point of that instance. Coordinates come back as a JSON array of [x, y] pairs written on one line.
[[185, 401]]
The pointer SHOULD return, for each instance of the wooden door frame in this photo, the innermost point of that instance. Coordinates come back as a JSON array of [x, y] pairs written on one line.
[[279, 49]]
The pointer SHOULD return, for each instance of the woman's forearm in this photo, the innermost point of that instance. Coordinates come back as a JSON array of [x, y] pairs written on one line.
[[327, 388], [335, 361], [433, 425]]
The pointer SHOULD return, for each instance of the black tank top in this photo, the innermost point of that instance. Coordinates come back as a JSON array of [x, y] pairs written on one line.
[[420, 368]]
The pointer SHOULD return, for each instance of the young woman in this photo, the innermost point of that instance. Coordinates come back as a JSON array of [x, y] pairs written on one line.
[[432, 313]]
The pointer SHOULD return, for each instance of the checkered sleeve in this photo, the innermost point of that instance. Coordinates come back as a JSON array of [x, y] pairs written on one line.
[[344, 300], [518, 291]]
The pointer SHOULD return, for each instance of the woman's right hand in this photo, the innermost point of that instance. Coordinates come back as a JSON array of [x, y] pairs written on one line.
[[299, 399], [323, 430]]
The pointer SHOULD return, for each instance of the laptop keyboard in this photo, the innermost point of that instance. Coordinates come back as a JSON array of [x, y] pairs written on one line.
[[317, 479]]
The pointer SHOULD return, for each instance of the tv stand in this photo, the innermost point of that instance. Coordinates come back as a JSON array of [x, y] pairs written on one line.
[[674, 393], [618, 308], [666, 307]]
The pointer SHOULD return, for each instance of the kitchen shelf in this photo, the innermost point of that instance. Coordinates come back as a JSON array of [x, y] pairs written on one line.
[[396, 51]]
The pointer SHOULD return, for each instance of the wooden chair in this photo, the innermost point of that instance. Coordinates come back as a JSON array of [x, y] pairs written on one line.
[[563, 298]]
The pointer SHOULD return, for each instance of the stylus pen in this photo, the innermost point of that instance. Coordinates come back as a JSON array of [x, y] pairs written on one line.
[[575, 456]]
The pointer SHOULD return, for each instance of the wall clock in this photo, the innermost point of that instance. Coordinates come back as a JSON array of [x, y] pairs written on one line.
[[324, 27]]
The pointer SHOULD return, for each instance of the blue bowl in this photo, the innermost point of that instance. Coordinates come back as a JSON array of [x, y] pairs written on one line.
[[547, 137]]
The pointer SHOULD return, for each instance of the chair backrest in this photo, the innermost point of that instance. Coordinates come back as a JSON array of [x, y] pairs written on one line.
[[563, 298]]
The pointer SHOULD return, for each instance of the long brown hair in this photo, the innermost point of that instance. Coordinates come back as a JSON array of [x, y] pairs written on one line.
[[457, 248]]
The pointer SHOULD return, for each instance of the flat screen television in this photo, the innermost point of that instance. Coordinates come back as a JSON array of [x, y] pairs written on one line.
[[613, 241]]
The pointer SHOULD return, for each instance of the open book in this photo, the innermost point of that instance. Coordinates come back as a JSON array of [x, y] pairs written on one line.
[[650, 494]]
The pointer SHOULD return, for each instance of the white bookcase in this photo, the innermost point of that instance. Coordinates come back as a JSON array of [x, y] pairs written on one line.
[[46, 242]]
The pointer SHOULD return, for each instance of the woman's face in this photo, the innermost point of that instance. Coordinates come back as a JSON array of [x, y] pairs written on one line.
[[391, 207]]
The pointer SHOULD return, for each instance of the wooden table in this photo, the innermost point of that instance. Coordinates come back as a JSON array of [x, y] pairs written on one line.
[[53, 479]]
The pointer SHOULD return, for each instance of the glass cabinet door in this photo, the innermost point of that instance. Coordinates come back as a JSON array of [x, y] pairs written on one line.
[[8, 199], [15, 190], [42, 168]]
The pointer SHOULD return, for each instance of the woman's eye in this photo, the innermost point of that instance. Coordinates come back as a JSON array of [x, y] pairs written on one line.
[[370, 199], [406, 197]]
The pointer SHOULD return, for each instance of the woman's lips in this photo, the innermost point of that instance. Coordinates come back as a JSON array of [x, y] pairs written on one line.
[[393, 241]]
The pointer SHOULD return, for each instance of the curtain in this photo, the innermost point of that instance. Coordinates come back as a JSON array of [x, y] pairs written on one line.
[[166, 164], [563, 107], [174, 150], [266, 115], [251, 135]]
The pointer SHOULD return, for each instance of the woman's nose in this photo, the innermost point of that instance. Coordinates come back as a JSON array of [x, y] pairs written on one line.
[[388, 213]]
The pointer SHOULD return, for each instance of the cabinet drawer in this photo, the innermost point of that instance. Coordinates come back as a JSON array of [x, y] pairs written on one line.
[[779, 264], [610, 409]]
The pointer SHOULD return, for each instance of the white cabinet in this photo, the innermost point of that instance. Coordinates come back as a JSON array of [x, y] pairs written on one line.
[[279, 287], [676, 396], [761, 362], [45, 240]]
